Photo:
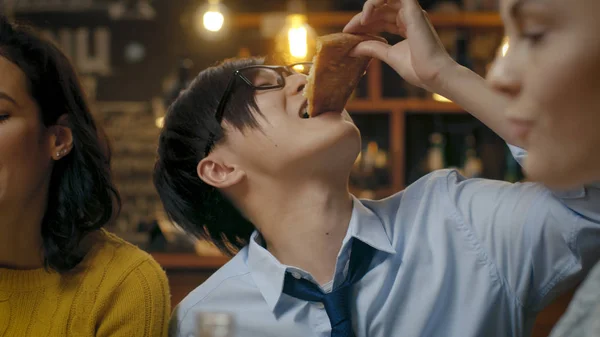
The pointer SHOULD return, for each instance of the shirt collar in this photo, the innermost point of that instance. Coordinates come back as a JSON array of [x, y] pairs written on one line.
[[366, 226], [268, 273]]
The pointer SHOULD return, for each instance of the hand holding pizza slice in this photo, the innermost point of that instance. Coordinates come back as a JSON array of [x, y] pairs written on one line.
[[335, 74]]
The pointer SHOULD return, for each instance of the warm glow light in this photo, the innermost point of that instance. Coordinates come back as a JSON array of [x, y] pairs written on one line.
[[160, 122], [210, 18], [298, 36], [213, 20], [441, 98], [299, 68], [505, 46]]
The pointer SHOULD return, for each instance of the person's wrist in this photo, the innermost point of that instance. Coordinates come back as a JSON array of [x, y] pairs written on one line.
[[448, 70]]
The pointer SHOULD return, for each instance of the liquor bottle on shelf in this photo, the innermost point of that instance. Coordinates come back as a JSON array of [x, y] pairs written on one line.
[[462, 56], [483, 46], [369, 157], [375, 162], [473, 166], [370, 170], [447, 36], [435, 156], [215, 324]]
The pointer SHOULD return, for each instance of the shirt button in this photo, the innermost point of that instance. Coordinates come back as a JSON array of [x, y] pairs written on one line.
[[296, 275], [320, 305]]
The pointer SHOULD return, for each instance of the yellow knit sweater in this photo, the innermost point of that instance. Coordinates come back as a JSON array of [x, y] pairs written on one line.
[[117, 290]]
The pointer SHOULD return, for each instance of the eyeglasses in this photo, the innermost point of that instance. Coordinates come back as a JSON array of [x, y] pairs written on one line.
[[258, 77]]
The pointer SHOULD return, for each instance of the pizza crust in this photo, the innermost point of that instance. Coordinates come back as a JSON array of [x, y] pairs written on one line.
[[335, 74]]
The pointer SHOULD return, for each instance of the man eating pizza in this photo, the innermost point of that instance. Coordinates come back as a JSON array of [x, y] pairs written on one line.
[[241, 165]]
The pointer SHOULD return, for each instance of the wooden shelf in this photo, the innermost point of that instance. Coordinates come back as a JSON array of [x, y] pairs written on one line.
[[412, 105], [340, 19], [189, 261]]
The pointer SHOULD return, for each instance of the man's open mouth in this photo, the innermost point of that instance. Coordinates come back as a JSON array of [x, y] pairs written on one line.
[[303, 112]]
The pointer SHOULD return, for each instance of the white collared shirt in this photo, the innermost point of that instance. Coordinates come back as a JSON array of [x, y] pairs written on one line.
[[455, 257]]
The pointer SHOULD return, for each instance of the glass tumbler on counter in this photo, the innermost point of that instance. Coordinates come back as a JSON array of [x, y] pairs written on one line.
[[215, 324]]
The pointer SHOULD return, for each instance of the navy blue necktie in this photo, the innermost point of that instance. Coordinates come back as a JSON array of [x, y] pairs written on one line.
[[337, 303]]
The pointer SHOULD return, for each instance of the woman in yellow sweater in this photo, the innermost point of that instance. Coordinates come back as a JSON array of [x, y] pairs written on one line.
[[61, 274]]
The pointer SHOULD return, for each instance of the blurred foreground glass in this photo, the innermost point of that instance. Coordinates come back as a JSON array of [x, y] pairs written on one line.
[[215, 324]]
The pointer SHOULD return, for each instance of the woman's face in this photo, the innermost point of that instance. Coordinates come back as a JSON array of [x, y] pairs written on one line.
[[552, 72], [25, 144]]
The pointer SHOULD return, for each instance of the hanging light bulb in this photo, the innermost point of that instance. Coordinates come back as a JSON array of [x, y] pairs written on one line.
[[213, 19], [296, 40], [210, 18], [298, 36]]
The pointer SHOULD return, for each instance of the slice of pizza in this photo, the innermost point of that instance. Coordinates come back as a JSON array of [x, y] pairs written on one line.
[[335, 74]]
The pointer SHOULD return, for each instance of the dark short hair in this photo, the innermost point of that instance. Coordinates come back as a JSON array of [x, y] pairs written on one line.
[[197, 207], [82, 197]]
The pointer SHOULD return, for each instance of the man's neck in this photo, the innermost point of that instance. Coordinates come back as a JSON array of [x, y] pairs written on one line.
[[21, 240], [303, 226]]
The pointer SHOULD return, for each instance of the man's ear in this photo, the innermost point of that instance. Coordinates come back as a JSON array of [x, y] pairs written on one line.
[[61, 138], [215, 172]]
